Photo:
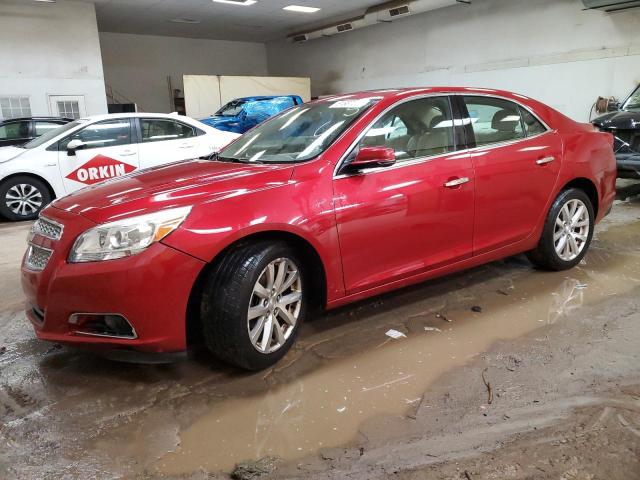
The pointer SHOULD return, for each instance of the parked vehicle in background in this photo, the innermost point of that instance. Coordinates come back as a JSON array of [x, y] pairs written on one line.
[[624, 124], [17, 131], [90, 150], [242, 114], [330, 202]]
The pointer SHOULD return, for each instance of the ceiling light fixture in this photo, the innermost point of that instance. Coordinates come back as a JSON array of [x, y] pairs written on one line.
[[244, 3], [45, 1], [301, 9]]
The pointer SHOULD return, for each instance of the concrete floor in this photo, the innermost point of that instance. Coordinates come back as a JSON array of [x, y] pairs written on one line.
[[559, 351]]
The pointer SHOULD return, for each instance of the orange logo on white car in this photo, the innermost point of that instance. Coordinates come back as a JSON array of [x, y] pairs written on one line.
[[100, 168]]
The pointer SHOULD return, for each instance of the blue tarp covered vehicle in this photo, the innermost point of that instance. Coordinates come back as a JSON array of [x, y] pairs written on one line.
[[242, 114]]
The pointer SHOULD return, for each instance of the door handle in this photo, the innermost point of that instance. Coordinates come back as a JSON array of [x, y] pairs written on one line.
[[126, 153], [545, 160], [187, 146], [456, 182]]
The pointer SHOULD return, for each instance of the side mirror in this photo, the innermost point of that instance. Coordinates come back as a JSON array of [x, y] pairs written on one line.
[[74, 145], [373, 157]]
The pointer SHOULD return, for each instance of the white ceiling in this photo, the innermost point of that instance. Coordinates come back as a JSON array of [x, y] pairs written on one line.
[[260, 22]]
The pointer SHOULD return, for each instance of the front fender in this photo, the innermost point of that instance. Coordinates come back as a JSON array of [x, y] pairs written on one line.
[[9, 169], [304, 209]]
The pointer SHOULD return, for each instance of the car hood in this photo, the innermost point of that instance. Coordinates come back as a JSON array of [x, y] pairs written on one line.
[[174, 185], [9, 153], [622, 120], [220, 123]]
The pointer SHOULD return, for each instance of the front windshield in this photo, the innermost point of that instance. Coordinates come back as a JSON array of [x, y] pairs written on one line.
[[298, 134], [42, 139], [633, 102], [231, 109]]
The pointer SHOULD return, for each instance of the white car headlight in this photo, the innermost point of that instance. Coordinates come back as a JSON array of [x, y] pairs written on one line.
[[126, 237]]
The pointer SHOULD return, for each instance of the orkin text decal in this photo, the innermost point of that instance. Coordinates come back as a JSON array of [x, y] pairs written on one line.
[[100, 168]]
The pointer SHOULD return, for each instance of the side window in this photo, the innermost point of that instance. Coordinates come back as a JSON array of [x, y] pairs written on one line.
[[160, 130], [111, 133], [43, 127], [532, 126], [14, 131], [415, 129], [494, 120]]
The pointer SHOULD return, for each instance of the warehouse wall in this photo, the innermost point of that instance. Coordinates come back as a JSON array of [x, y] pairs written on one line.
[[137, 66], [51, 49], [549, 49]]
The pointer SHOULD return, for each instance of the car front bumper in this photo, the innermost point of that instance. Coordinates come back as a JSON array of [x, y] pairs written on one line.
[[150, 290], [628, 165]]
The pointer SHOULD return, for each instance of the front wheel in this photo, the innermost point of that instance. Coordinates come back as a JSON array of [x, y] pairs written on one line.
[[253, 304], [22, 198], [567, 232]]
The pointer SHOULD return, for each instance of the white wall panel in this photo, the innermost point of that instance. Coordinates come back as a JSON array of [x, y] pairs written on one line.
[[51, 49], [205, 94], [234, 87], [137, 66], [549, 49], [201, 95]]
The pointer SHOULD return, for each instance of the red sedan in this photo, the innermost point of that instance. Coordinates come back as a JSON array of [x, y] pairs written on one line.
[[327, 203]]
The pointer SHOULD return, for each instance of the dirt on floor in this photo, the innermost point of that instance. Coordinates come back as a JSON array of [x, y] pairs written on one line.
[[498, 372]]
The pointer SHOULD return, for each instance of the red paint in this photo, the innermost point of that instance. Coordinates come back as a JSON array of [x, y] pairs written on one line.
[[373, 232], [100, 168]]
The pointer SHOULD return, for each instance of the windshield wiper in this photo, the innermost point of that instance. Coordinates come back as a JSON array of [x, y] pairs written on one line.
[[216, 157]]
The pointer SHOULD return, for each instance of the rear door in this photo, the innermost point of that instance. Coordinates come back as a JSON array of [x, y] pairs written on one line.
[[417, 215], [108, 151], [516, 161], [165, 140]]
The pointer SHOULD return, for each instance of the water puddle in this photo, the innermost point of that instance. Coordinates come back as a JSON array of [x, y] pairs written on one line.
[[346, 370]]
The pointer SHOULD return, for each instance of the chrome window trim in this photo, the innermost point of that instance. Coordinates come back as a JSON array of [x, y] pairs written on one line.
[[419, 160], [372, 123], [408, 163], [53, 222], [473, 94]]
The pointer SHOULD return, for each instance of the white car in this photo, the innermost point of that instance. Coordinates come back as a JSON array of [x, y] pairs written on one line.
[[93, 149]]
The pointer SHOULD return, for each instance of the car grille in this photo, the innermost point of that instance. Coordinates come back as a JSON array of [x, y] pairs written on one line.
[[47, 228], [37, 257]]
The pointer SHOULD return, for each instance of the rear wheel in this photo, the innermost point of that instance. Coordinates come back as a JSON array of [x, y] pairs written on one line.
[[22, 198], [253, 305], [567, 232]]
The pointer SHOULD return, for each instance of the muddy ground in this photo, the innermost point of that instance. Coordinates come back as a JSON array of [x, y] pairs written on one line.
[[498, 372]]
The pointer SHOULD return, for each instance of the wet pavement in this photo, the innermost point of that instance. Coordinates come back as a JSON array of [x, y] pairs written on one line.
[[69, 414]]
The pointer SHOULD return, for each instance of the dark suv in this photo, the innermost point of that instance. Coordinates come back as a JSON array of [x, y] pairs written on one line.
[[16, 131], [624, 124]]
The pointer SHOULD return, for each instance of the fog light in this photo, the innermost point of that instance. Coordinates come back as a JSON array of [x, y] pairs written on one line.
[[102, 325]]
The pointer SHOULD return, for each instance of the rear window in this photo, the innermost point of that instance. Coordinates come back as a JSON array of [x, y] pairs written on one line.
[[494, 120], [14, 131]]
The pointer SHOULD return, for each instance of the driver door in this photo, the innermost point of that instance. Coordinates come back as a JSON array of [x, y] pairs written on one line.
[[108, 150], [417, 215]]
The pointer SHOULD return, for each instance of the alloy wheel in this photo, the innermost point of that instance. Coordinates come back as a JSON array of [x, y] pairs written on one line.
[[23, 199], [274, 306], [571, 230]]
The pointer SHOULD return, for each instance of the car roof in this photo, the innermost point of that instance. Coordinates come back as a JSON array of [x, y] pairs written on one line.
[[22, 119], [108, 116], [391, 93], [262, 97]]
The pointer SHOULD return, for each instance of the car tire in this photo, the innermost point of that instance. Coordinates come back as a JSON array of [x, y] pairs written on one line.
[[253, 304], [567, 232], [22, 197]]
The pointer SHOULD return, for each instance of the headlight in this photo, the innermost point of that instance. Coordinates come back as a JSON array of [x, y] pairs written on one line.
[[127, 237]]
